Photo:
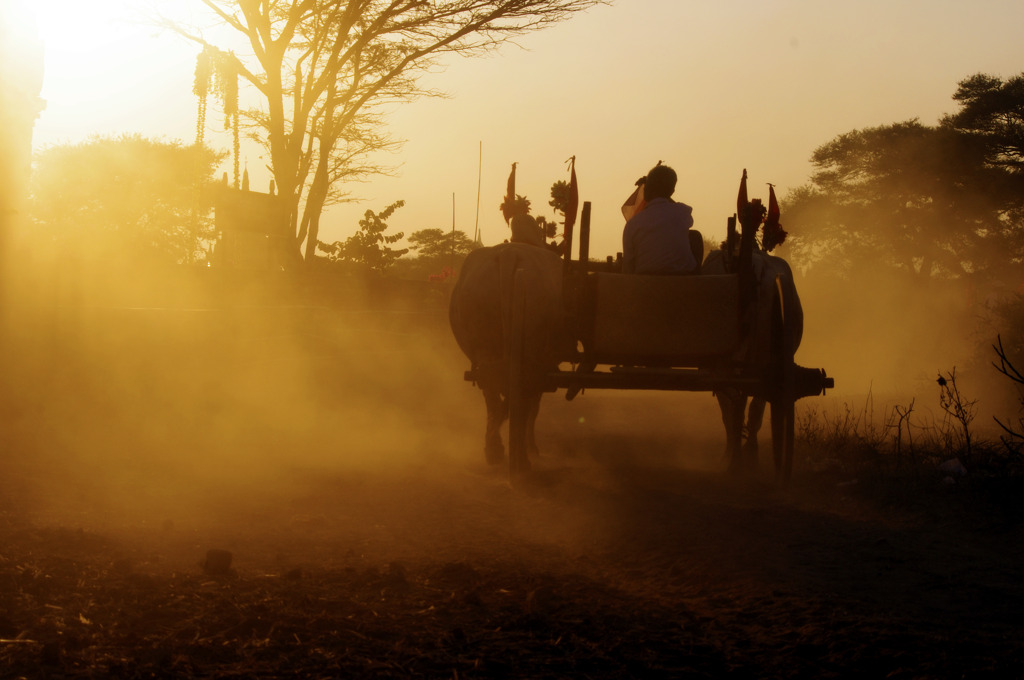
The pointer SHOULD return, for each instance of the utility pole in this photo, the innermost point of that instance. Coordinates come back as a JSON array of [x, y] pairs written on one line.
[[479, 169]]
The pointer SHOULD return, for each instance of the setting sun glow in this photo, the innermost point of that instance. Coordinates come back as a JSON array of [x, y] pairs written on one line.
[[109, 71], [280, 398]]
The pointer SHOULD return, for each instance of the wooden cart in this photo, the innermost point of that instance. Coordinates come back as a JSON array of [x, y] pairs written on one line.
[[682, 333]]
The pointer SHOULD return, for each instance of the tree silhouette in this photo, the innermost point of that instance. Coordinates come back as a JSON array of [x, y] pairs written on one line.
[[124, 199], [322, 70], [560, 196], [369, 248], [929, 201], [994, 111], [438, 244]]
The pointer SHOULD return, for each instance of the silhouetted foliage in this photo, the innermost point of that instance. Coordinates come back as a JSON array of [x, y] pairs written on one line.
[[931, 202], [994, 111], [1013, 433], [116, 200], [438, 253], [560, 196], [520, 206], [216, 72], [438, 243], [559, 202], [549, 227], [322, 68], [369, 248]]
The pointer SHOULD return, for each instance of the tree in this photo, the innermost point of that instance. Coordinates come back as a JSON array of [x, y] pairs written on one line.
[[124, 199], [994, 111], [324, 69], [438, 244], [369, 248], [439, 253], [931, 202]]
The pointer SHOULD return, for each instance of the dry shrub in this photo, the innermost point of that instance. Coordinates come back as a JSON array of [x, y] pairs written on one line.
[[912, 441]]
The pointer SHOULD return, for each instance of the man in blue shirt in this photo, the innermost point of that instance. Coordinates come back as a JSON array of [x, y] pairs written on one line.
[[656, 239]]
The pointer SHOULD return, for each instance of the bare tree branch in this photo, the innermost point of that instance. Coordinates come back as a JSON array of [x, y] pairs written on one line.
[[322, 67]]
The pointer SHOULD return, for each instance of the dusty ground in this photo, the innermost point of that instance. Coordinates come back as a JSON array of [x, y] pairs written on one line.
[[369, 539]]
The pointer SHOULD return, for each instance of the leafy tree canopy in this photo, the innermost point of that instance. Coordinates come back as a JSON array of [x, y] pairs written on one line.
[[124, 198], [437, 244], [994, 111], [322, 69], [932, 202], [369, 248], [439, 254]]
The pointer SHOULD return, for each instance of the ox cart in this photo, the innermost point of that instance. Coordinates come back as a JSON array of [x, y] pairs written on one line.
[[726, 333]]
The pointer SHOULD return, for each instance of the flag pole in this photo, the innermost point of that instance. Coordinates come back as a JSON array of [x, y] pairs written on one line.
[[479, 170]]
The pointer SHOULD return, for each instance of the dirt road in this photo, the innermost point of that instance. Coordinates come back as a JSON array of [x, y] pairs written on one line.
[[368, 538], [596, 568]]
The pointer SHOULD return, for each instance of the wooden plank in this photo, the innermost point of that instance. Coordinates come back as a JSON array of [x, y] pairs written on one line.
[[666, 379], [662, 320]]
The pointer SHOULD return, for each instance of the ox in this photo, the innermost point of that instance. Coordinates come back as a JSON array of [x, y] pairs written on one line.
[[771, 276], [481, 316]]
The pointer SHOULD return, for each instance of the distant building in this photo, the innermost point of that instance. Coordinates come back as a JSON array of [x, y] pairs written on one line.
[[253, 230]]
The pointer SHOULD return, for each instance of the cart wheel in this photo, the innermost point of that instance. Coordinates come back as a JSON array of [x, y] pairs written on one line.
[[783, 400], [518, 460]]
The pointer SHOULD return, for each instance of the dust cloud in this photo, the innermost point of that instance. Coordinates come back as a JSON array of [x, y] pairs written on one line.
[[198, 402], [207, 407], [886, 337]]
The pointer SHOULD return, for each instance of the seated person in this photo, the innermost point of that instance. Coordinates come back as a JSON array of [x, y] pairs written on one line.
[[656, 240]]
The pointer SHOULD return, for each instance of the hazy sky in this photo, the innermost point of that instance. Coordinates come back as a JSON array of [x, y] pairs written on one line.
[[708, 87]]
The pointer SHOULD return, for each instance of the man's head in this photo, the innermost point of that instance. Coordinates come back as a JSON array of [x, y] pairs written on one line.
[[661, 182]]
